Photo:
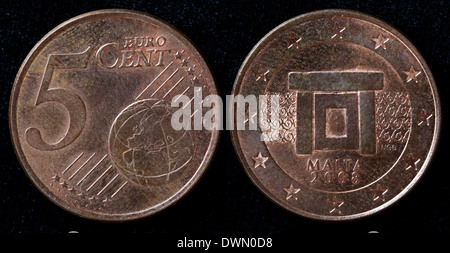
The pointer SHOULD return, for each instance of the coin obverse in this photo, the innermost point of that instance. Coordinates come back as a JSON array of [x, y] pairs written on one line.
[[90, 115], [358, 115]]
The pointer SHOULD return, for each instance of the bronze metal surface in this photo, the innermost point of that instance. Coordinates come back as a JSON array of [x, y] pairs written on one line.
[[359, 115], [90, 115]]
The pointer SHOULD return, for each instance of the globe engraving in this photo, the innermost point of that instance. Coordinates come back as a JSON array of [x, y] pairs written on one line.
[[145, 148]]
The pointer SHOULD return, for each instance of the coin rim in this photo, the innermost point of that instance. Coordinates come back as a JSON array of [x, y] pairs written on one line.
[[323, 14], [215, 136]]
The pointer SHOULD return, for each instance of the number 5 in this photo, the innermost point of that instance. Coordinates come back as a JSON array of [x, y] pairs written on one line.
[[73, 103]]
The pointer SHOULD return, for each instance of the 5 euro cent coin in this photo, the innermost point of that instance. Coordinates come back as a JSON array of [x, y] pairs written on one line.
[[90, 115]]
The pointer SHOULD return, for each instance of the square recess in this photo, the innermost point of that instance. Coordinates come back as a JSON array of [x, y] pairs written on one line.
[[338, 113], [335, 122]]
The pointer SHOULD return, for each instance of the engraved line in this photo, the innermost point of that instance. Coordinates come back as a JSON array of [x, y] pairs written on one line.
[[76, 159], [188, 103], [194, 113], [201, 102], [120, 188], [181, 94], [110, 166], [93, 168], [164, 82], [179, 81], [114, 178], [154, 80], [78, 170]]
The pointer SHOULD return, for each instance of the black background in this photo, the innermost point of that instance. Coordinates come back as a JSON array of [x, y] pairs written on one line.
[[224, 202]]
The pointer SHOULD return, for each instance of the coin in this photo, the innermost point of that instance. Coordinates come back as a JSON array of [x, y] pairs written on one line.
[[356, 117], [90, 115]]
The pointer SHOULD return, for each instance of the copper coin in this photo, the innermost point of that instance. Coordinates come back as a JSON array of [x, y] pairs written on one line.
[[90, 115], [357, 115]]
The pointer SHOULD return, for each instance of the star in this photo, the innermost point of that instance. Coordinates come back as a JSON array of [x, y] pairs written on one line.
[[335, 205], [411, 162], [259, 161], [378, 193], [56, 178], [107, 199], [184, 62], [380, 41], [261, 73], [73, 190], [81, 196], [190, 71], [336, 30], [249, 117], [64, 184], [291, 191], [293, 40], [194, 80], [412, 75], [178, 54], [423, 117]]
